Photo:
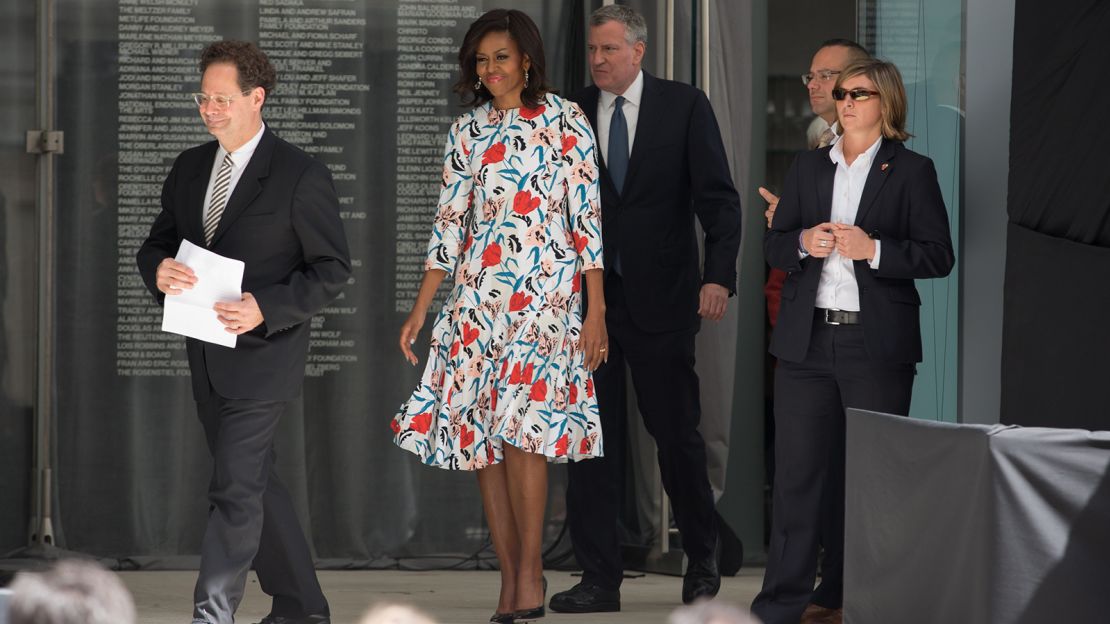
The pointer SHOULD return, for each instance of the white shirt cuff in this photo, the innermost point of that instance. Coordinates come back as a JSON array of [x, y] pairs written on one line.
[[874, 262]]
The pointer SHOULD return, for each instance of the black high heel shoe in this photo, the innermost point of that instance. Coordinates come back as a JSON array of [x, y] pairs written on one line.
[[502, 618], [531, 615]]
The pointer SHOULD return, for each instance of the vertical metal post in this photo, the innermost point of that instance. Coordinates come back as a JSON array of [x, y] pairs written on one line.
[[664, 500], [703, 45], [48, 144]]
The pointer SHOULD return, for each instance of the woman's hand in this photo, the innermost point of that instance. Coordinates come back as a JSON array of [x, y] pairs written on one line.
[[409, 330], [853, 243], [595, 339]]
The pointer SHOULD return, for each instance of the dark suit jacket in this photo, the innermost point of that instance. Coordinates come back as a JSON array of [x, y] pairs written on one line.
[[282, 221], [902, 205], [677, 169]]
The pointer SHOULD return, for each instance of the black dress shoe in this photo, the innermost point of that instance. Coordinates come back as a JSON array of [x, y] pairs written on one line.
[[586, 598], [703, 578], [304, 619], [501, 618]]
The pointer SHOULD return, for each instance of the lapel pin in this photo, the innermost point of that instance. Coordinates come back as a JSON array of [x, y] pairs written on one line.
[[883, 166]]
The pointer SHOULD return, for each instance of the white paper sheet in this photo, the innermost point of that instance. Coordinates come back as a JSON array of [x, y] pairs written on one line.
[[218, 279]]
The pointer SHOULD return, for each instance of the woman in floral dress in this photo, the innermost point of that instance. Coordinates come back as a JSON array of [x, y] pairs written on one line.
[[508, 386]]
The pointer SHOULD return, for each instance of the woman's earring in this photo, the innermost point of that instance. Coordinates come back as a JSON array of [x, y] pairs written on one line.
[[526, 79], [478, 85]]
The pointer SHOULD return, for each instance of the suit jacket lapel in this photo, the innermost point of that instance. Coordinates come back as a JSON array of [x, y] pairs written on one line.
[[589, 107], [826, 175], [198, 188], [880, 169], [249, 185], [651, 114]]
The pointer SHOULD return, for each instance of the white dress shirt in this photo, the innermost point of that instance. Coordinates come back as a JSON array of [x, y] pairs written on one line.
[[605, 105], [838, 289], [239, 160]]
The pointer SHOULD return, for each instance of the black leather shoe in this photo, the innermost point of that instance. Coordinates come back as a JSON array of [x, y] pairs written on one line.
[[501, 618], [586, 598], [703, 578], [306, 619]]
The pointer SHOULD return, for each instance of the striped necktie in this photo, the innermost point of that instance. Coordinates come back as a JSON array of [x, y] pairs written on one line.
[[826, 139], [219, 200]]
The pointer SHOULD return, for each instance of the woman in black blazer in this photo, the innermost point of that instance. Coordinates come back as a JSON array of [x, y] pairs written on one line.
[[858, 222]]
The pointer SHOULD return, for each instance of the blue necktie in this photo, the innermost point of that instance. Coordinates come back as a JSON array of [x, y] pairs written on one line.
[[618, 145], [618, 158]]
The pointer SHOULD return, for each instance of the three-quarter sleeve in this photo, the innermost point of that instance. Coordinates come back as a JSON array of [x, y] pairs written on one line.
[[449, 226], [580, 156]]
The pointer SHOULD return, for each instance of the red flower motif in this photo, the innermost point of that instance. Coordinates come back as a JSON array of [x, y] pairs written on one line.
[[532, 113], [590, 388], [576, 282], [495, 154], [572, 397], [584, 448], [524, 202], [467, 242], [504, 367], [493, 399], [569, 141], [469, 334], [491, 255], [539, 390], [515, 377], [454, 348], [579, 241], [526, 376], [395, 426], [561, 445], [421, 422], [466, 437], [519, 301]]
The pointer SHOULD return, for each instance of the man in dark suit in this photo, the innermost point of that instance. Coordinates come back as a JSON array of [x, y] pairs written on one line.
[[662, 164], [250, 196]]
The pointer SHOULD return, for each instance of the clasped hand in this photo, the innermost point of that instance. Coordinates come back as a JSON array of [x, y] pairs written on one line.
[[849, 241]]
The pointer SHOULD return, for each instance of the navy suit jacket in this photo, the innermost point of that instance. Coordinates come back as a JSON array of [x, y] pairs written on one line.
[[677, 169], [902, 205], [282, 220]]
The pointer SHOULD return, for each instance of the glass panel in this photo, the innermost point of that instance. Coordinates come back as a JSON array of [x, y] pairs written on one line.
[[925, 40], [18, 236]]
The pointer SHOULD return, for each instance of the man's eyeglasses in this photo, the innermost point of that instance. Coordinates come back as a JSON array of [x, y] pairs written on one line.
[[824, 76], [857, 95], [219, 102]]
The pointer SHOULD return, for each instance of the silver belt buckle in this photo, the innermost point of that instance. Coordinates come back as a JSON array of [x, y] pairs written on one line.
[[828, 314]]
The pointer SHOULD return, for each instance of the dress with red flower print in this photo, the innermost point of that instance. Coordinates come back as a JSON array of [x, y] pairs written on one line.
[[518, 222]]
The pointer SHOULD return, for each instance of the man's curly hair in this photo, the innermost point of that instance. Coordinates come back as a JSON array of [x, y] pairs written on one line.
[[255, 70]]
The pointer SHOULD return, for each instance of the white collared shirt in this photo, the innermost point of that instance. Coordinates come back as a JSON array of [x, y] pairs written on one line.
[[838, 289], [632, 96], [239, 160]]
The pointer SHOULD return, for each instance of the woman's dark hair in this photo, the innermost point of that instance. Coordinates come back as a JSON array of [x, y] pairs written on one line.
[[524, 32], [255, 70]]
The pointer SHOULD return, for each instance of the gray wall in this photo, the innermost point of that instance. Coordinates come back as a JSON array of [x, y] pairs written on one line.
[[982, 249]]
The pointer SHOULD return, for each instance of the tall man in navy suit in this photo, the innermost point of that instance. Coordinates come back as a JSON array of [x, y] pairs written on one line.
[[250, 196], [662, 164]]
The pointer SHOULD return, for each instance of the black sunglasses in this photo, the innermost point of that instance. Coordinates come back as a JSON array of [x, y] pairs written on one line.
[[857, 95]]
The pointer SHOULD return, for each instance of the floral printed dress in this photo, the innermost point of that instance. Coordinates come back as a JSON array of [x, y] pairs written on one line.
[[518, 222]]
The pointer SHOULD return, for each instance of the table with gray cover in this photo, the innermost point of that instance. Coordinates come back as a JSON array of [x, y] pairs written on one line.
[[975, 523]]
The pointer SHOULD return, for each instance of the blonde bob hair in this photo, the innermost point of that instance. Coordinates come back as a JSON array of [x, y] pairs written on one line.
[[892, 94]]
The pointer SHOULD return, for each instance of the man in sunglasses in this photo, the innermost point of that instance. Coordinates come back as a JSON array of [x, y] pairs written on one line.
[[829, 60]]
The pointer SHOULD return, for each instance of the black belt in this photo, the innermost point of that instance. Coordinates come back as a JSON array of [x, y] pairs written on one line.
[[837, 317]]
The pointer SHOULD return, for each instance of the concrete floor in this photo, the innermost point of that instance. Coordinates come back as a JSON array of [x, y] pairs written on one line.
[[453, 597]]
